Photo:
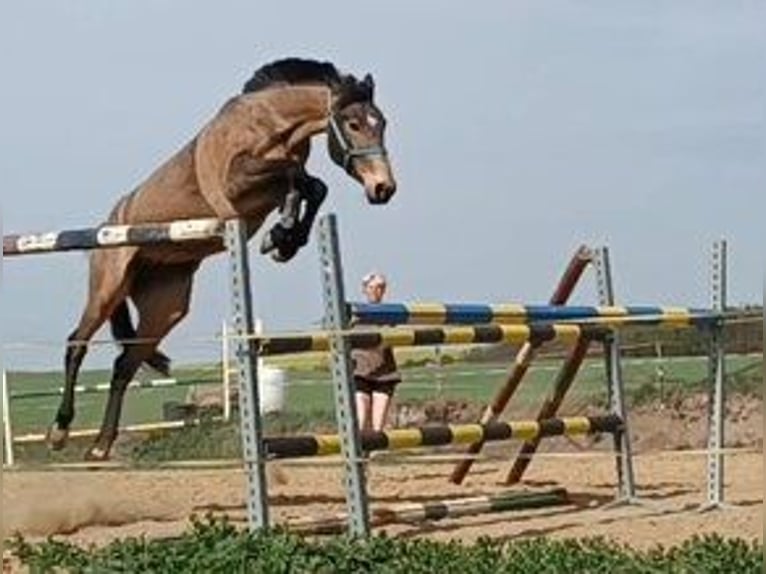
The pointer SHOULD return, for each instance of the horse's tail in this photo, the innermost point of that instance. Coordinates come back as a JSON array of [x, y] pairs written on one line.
[[123, 330]]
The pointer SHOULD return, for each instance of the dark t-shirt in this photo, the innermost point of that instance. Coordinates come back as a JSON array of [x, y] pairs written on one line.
[[375, 365]]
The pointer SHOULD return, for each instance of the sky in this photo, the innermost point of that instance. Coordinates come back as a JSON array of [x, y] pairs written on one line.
[[517, 131]]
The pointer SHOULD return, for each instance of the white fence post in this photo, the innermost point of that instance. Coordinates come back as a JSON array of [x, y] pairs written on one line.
[[7, 435], [225, 371]]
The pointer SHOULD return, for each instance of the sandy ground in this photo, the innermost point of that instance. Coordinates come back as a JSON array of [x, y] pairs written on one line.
[[95, 507]]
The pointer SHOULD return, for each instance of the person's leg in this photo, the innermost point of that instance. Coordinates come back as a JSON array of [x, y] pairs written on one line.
[[363, 407], [381, 400]]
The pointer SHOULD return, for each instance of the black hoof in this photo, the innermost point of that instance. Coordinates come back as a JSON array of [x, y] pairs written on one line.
[[281, 243], [284, 254]]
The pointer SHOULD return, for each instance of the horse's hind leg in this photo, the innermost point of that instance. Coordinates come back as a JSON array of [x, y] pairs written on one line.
[[161, 296], [109, 283]]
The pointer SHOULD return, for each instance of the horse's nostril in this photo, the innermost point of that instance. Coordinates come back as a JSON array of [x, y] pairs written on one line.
[[382, 191]]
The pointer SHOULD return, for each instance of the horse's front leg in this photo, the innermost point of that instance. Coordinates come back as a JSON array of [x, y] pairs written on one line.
[[280, 236], [293, 230], [314, 193]]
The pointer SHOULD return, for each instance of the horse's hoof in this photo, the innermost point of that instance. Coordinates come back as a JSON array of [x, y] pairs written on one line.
[[57, 438], [267, 245], [284, 253], [97, 454], [279, 258]]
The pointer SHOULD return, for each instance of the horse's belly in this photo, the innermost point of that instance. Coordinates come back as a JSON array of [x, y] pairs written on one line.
[[176, 253]]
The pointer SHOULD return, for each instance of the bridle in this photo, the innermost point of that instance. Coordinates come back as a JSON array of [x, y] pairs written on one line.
[[347, 149]]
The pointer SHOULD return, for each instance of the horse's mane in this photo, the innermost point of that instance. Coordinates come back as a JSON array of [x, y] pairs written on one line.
[[291, 71]]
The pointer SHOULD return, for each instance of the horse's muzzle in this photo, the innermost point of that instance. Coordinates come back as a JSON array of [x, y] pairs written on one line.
[[381, 192]]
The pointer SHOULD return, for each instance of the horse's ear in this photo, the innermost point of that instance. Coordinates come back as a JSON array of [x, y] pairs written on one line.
[[369, 84], [346, 86]]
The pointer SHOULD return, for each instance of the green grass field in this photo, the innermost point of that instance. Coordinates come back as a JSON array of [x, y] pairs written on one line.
[[310, 390]]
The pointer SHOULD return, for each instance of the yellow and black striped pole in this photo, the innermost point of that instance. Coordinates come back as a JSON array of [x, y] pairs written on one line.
[[440, 435], [425, 336]]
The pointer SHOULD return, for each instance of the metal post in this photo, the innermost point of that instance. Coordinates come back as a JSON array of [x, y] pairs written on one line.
[[336, 320], [616, 390], [245, 352], [7, 435], [716, 377], [225, 372]]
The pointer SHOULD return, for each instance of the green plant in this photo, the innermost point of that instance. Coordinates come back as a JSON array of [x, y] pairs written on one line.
[[215, 545]]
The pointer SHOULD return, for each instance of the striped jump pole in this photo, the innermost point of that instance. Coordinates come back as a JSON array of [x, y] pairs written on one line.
[[524, 357], [441, 435], [413, 513], [112, 236], [427, 336], [517, 314]]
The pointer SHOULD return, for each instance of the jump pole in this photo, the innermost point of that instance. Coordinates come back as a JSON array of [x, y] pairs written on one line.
[[524, 357], [413, 513], [317, 445], [110, 235]]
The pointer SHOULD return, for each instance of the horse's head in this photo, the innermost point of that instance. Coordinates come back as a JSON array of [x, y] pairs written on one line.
[[355, 138]]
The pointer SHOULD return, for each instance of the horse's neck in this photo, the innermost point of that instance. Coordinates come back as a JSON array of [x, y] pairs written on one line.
[[298, 111]]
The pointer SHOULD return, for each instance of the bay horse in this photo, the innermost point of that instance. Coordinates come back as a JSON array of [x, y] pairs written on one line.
[[247, 162]]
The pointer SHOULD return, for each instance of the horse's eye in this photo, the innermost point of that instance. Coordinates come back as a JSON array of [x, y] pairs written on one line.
[[354, 126]]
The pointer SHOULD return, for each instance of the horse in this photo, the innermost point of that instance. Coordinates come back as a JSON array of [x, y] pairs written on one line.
[[246, 162]]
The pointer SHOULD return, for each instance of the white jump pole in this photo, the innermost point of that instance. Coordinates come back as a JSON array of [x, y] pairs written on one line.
[[7, 436]]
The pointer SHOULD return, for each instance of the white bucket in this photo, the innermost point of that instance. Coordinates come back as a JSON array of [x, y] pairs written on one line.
[[271, 387]]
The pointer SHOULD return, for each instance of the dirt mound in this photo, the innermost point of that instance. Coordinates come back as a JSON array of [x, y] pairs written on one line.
[[681, 423]]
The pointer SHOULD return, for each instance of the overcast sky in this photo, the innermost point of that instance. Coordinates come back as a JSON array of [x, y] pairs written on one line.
[[517, 131]]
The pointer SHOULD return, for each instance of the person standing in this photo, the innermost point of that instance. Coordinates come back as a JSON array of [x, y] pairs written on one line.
[[375, 370]]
